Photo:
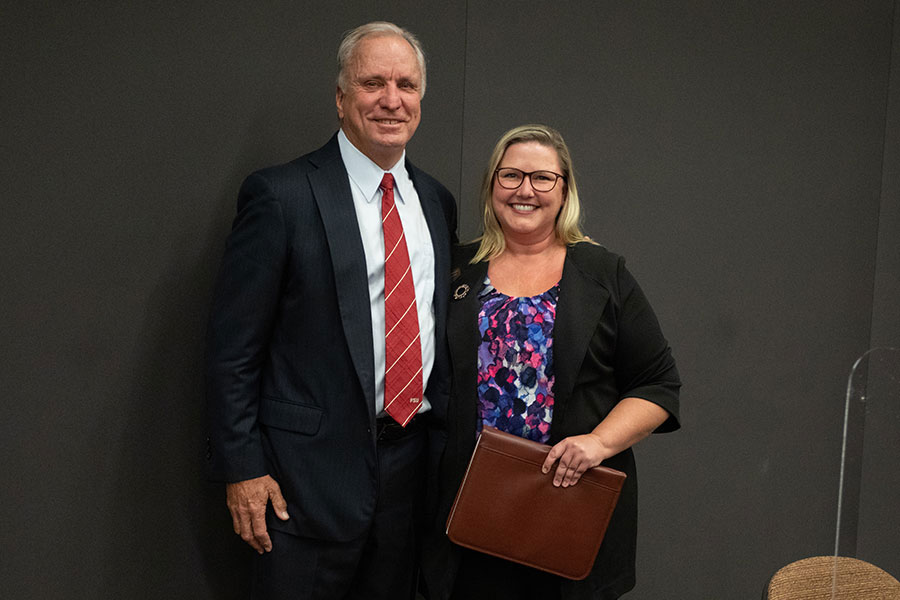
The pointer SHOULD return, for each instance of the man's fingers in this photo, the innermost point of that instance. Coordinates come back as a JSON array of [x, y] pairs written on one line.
[[278, 502], [247, 501], [235, 521], [258, 523], [246, 531]]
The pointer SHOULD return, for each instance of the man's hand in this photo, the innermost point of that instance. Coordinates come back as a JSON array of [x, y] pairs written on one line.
[[576, 455], [247, 502]]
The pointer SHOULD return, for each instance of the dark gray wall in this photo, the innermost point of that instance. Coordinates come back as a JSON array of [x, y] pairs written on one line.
[[886, 289], [744, 156]]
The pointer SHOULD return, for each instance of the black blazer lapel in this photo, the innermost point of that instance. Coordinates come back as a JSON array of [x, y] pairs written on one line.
[[331, 189], [463, 336], [582, 300]]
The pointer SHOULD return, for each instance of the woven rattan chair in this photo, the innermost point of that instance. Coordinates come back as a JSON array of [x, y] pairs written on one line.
[[811, 579]]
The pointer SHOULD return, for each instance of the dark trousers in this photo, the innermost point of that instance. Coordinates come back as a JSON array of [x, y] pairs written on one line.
[[484, 577], [379, 566]]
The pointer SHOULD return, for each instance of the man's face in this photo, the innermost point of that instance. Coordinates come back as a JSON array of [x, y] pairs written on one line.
[[379, 111]]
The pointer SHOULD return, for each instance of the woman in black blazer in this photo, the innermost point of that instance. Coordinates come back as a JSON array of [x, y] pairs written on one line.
[[552, 339]]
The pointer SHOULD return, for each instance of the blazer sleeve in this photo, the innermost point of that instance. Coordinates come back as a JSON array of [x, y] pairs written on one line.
[[644, 365], [244, 306]]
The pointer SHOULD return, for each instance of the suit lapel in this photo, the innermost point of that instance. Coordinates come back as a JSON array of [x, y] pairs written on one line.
[[582, 301], [331, 189]]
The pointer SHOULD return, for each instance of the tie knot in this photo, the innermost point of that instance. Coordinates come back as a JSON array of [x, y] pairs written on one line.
[[387, 182]]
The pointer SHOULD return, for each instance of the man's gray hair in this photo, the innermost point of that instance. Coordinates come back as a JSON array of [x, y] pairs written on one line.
[[351, 40]]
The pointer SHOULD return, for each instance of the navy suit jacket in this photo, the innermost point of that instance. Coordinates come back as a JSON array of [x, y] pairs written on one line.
[[290, 371]]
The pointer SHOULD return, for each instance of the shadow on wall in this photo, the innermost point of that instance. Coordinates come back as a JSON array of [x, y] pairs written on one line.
[[172, 536]]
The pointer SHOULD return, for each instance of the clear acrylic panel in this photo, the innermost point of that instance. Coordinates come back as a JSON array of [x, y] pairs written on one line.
[[868, 520]]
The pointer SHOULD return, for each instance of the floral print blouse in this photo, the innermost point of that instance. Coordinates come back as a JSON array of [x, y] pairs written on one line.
[[515, 362]]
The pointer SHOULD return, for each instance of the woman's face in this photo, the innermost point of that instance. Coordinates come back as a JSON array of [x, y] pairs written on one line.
[[525, 214]]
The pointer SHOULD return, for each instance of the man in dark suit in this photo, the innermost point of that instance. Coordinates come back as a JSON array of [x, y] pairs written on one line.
[[323, 480]]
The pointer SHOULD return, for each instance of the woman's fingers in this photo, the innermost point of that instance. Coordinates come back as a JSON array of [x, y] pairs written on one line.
[[576, 455]]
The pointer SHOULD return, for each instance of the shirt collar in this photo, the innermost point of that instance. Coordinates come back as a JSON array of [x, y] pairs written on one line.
[[367, 176]]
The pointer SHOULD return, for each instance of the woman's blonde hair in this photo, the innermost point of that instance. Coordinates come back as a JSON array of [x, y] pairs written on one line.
[[568, 229]]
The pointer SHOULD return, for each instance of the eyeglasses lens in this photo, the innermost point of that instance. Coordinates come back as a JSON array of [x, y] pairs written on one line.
[[542, 181], [510, 178]]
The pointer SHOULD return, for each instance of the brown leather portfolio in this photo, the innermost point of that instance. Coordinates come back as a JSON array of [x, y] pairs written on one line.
[[508, 508]]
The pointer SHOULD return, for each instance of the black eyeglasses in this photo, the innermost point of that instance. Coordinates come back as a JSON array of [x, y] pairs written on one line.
[[542, 181]]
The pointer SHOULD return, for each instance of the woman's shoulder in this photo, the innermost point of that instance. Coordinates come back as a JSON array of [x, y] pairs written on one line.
[[595, 260], [463, 253]]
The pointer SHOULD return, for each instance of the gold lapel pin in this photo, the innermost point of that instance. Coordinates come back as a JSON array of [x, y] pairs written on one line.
[[460, 292]]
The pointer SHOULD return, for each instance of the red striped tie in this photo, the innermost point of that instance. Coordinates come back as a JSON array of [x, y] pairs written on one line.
[[402, 349]]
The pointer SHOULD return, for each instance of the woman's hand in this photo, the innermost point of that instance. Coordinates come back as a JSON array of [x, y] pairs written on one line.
[[630, 421], [576, 455]]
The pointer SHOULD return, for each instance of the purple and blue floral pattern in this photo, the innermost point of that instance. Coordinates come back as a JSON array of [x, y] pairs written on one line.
[[515, 362]]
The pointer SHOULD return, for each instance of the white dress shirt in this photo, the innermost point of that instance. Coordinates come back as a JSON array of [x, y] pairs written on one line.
[[365, 179]]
